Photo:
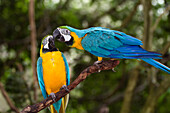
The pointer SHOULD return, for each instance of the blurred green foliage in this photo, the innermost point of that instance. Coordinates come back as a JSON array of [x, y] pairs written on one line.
[[98, 89]]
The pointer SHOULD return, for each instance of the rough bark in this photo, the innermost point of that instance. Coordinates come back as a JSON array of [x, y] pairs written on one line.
[[146, 39], [33, 44], [105, 65], [8, 100]]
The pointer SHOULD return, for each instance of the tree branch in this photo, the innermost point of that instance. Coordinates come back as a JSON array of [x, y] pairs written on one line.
[[8, 100], [147, 41], [165, 48], [129, 91], [105, 65], [159, 19], [130, 16], [33, 44]]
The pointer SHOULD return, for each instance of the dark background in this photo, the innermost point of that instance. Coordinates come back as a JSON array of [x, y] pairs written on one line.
[[135, 87]]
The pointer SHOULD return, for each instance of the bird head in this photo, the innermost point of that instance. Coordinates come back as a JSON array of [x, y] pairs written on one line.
[[48, 44], [63, 34]]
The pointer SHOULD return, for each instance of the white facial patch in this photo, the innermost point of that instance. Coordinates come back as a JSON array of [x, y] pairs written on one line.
[[66, 37], [65, 34], [46, 45], [47, 42]]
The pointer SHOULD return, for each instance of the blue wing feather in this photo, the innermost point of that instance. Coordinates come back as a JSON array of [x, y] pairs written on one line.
[[127, 39], [157, 65], [115, 44], [40, 77], [67, 70]]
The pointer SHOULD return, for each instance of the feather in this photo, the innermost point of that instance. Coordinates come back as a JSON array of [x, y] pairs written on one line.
[[67, 70], [103, 42], [157, 65], [40, 77]]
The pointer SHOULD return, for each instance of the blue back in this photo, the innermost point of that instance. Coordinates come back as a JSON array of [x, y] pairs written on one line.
[[108, 43], [115, 44]]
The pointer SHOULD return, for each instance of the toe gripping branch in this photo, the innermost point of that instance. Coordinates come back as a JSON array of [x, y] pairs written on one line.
[[65, 87], [104, 65], [53, 96]]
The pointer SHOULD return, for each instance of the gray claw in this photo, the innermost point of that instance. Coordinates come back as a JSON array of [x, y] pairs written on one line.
[[113, 70], [97, 64], [65, 87], [53, 96]]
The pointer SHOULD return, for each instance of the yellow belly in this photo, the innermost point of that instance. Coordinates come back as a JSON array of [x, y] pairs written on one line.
[[54, 72]]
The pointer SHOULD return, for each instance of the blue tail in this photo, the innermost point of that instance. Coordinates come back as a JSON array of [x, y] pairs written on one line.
[[57, 105], [157, 64]]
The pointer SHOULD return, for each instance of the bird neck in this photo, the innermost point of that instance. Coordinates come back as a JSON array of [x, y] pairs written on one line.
[[77, 41], [41, 50]]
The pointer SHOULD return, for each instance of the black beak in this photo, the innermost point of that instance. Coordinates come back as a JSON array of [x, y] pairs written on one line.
[[51, 43], [58, 36]]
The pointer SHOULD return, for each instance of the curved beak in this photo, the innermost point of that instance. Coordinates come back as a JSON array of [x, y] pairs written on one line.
[[51, 43], [57, 34]]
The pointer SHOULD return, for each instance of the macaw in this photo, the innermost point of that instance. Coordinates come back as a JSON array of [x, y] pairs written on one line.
[[105, 43], [53, 73]]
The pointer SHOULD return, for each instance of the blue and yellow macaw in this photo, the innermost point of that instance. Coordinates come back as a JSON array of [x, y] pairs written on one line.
[[106, 43], [53, 73]]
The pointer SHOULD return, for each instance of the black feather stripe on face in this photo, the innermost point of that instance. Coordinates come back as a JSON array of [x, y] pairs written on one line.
[[49, 50], [51, 44]]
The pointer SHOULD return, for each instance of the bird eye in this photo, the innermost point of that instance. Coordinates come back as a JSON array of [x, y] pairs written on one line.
[[65, 31]]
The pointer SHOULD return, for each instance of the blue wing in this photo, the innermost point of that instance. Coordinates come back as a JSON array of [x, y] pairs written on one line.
[[40, 77], [67, 70], [115, 44]]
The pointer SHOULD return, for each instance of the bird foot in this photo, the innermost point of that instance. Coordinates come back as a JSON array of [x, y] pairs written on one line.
[[53, 96], [65, 87], [97, 64], [113, 69]]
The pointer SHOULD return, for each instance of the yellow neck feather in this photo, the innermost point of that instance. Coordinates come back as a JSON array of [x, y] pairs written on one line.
[[41, 53], [77, 41]]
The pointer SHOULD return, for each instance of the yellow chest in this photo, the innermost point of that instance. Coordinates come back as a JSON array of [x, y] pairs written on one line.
[[54, 72]]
